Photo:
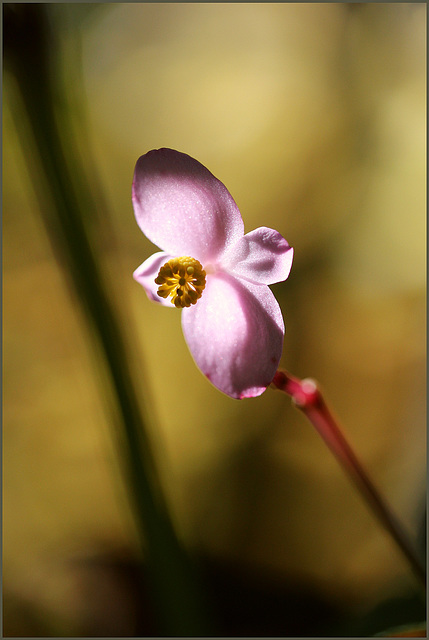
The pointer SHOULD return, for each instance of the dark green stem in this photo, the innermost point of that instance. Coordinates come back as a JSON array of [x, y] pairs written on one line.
[[29, 54]]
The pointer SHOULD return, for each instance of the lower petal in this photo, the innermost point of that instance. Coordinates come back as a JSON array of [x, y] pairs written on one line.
[[146, 273], [235, 335]]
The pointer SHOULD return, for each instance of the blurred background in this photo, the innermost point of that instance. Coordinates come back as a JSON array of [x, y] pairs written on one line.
[[314, 117]]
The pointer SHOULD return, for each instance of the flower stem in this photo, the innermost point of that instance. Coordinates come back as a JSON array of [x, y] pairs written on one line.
[[307, 397]]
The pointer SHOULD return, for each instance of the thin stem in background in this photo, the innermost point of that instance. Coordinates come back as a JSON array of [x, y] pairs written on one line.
[[30, 54]]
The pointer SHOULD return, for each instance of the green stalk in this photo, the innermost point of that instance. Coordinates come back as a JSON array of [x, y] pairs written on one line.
[[29, 54]]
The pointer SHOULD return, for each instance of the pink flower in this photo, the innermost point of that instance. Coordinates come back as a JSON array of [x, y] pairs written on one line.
[[231, 320]]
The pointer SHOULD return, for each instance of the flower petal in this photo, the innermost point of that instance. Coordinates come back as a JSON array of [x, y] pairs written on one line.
[[182, 208], [146, 273], [235, 335], [262, 256]]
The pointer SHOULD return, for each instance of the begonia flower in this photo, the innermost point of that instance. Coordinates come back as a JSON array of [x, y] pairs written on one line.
[[211, 270]]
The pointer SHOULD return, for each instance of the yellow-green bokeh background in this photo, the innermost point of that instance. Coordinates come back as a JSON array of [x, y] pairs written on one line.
[[313, 115]]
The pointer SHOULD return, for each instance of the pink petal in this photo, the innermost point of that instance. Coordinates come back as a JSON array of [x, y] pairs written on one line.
[[146, 273], [262, 256], [182, 208], [235, 334]]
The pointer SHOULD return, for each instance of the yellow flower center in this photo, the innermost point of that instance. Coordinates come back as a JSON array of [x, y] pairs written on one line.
[[183, 279]]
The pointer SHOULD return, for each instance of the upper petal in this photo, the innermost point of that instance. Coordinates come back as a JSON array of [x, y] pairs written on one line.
[[182, 208], [235, 334], [146, 273], [262, 256]]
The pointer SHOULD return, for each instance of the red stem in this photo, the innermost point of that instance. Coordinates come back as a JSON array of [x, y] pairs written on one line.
[[308, 398]]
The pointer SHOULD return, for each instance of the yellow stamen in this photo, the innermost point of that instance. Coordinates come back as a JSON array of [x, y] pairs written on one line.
[[183, 279]]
